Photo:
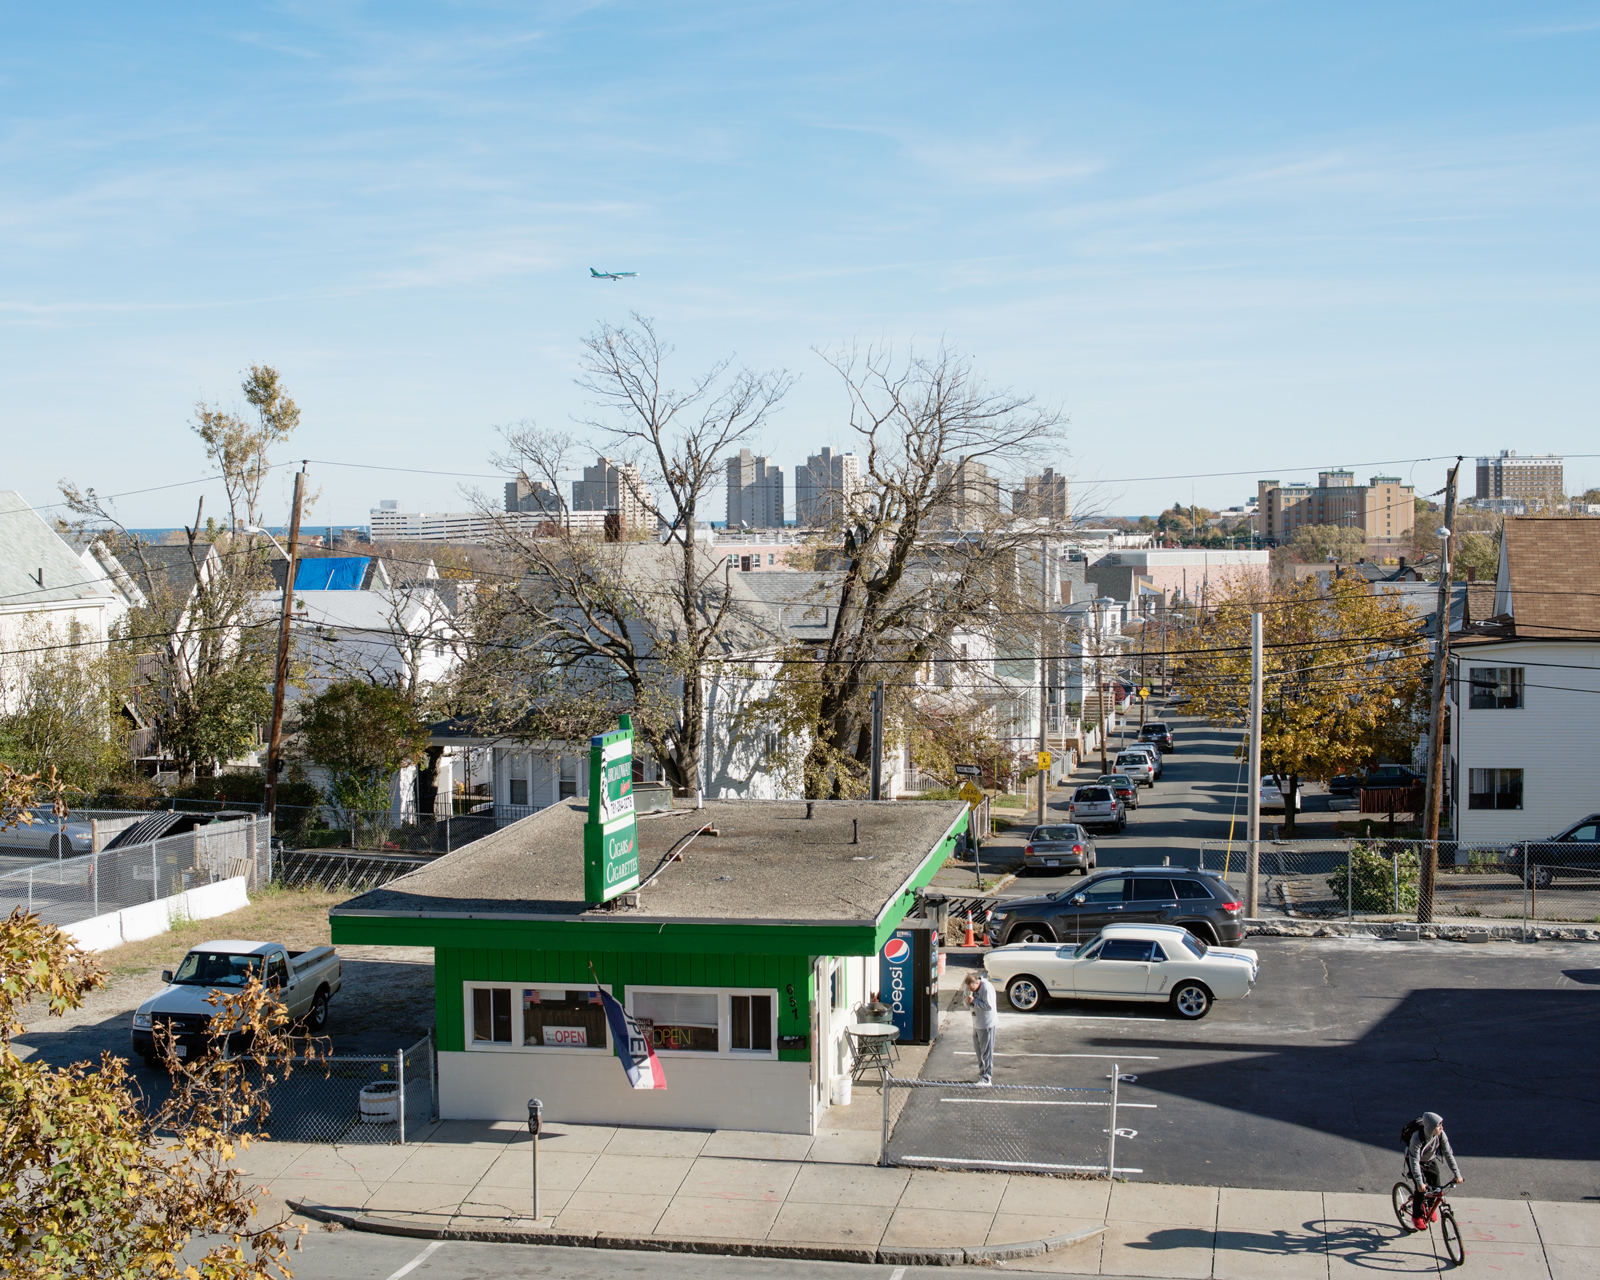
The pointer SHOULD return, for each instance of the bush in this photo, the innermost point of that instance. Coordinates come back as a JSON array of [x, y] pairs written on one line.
[[1374, 888]]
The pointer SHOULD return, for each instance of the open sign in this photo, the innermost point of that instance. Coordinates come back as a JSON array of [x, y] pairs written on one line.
[[566, 1037]]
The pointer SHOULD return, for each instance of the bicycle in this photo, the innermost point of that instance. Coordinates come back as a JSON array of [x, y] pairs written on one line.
[[1438, 1210]]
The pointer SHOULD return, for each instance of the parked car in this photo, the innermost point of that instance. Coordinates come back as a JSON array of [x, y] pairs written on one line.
[[1149, 749], [304, 981], [1126, 962], [1199, 901], [1097, 806], [1273, 787], [1126, 788], [1060, 845], [1159, 734], [1575, 852], [1136, 765], [1385, 775], [47, 834]]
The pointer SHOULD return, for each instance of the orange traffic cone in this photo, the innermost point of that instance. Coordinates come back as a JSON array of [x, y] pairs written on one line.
[[985, 940], [968, 940]]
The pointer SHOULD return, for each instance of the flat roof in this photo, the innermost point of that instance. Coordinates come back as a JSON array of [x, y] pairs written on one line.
[[768, 865]]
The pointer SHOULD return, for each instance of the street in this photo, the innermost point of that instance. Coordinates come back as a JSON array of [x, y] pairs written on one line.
[[1306, 1083]]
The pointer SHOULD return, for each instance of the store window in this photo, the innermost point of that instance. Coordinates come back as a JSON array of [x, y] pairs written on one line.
[[1494, 789], [550, 1017], [694, 1020], [1496, 688]]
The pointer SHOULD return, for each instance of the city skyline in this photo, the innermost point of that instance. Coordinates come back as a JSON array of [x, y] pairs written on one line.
[[1263, 242]]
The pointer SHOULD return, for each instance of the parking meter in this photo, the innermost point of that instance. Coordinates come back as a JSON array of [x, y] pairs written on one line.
[[535, 1110]]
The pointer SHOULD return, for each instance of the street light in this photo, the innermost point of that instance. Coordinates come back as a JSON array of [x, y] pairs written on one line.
[[255, 528]]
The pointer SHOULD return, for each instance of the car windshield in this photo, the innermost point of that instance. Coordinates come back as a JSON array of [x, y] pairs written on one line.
[[217, 969], [1195, 945], [1055, 833]]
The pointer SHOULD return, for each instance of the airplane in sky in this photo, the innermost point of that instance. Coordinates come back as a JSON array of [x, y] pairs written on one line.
[[611, 275]]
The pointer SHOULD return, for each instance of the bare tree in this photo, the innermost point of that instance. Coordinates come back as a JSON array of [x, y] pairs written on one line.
[[925, 552], [598, 625]]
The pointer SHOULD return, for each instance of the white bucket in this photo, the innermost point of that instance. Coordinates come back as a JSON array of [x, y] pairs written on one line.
[[380, 1102], [841, 1091]]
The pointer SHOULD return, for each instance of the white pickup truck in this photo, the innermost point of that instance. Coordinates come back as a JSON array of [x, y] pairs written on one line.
[[304, 981]]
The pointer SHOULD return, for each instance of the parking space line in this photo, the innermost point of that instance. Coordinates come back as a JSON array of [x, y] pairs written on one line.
[[1031, 1102], [418, 1260], [1120, 1057]]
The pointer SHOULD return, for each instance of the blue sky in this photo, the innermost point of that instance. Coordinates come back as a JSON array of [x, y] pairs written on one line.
[[1243, 237]]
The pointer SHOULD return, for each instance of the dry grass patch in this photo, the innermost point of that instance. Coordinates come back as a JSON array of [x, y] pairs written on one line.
[[298, 918]]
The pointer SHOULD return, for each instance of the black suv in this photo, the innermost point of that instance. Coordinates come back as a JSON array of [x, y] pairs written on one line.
[[1159, 734], [1200, 901]]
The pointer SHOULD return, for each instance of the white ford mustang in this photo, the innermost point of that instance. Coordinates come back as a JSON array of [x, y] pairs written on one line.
[[1125, 962]]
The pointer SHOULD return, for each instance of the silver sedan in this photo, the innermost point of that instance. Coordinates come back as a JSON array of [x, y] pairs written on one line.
[[60, 838]]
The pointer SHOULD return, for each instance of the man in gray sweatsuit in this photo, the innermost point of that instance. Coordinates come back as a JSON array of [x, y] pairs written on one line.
[[985, 1022]]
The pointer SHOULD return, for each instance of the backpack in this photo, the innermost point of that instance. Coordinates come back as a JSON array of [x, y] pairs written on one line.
[[1411, 1130]]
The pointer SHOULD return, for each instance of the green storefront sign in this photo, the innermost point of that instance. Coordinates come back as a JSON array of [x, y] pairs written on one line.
[[610, 837]]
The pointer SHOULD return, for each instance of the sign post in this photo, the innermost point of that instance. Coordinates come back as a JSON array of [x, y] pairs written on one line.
[[611, 836]]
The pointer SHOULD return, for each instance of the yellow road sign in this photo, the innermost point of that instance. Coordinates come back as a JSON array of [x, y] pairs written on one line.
[[971, 794], [1144, 692], [1044, 759]]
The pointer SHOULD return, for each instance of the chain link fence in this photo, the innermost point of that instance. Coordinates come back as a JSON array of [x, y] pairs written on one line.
[[344, 869], [948, 1124], [355, 1099], [70, 890], [1383, 879]]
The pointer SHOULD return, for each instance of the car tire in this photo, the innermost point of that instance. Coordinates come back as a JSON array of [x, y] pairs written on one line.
[[60, 847], [1122, 826], [1204, 932], [317, 1016], [1191, 1000], [1540, 877], [1026, 993], [1029, 933]]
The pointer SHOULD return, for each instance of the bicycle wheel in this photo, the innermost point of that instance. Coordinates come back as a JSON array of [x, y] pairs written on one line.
[[1450, 1232], [1401, 1195]]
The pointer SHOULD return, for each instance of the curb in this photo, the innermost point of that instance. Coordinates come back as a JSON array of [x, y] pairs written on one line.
[[1405, 931], [905, 1257]]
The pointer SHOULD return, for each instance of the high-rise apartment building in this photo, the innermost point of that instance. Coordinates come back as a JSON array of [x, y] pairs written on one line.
[[1042, 498], [825, 486], [523, 494], [608, 486], [755, 493], [972, 495], [1383, 508], [1536, 477]]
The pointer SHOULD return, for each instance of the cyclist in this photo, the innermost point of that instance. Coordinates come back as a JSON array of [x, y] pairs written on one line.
[[1426, 1145]]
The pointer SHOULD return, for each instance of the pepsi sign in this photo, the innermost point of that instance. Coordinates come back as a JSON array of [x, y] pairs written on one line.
[[897, 951], [897, 981]]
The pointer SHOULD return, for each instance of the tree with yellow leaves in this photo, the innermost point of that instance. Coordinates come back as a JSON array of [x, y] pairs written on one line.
[[1344, 675], [96, 1179]]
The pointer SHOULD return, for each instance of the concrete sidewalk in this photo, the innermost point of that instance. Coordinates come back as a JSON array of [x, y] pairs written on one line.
[[773, 1194]]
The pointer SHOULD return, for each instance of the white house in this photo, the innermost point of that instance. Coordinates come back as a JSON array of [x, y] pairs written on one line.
[[1522, 690], [47, 596]]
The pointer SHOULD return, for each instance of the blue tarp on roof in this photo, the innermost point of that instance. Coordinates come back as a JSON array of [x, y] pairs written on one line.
[[331, 573]]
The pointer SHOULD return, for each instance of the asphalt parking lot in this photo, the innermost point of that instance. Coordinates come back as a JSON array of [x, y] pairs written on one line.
[[1306, 1084]]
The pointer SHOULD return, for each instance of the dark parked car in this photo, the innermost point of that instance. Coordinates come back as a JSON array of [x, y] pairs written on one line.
[[1061, 846], [1125, 787], [1575, 852], [1385, 775], [1199, 901], [1159, 734]]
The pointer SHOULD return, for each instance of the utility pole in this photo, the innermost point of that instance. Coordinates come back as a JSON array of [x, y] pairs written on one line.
[[1044, 688], [1252, 862], [269, 799], [1441, 662], [877, 742]]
